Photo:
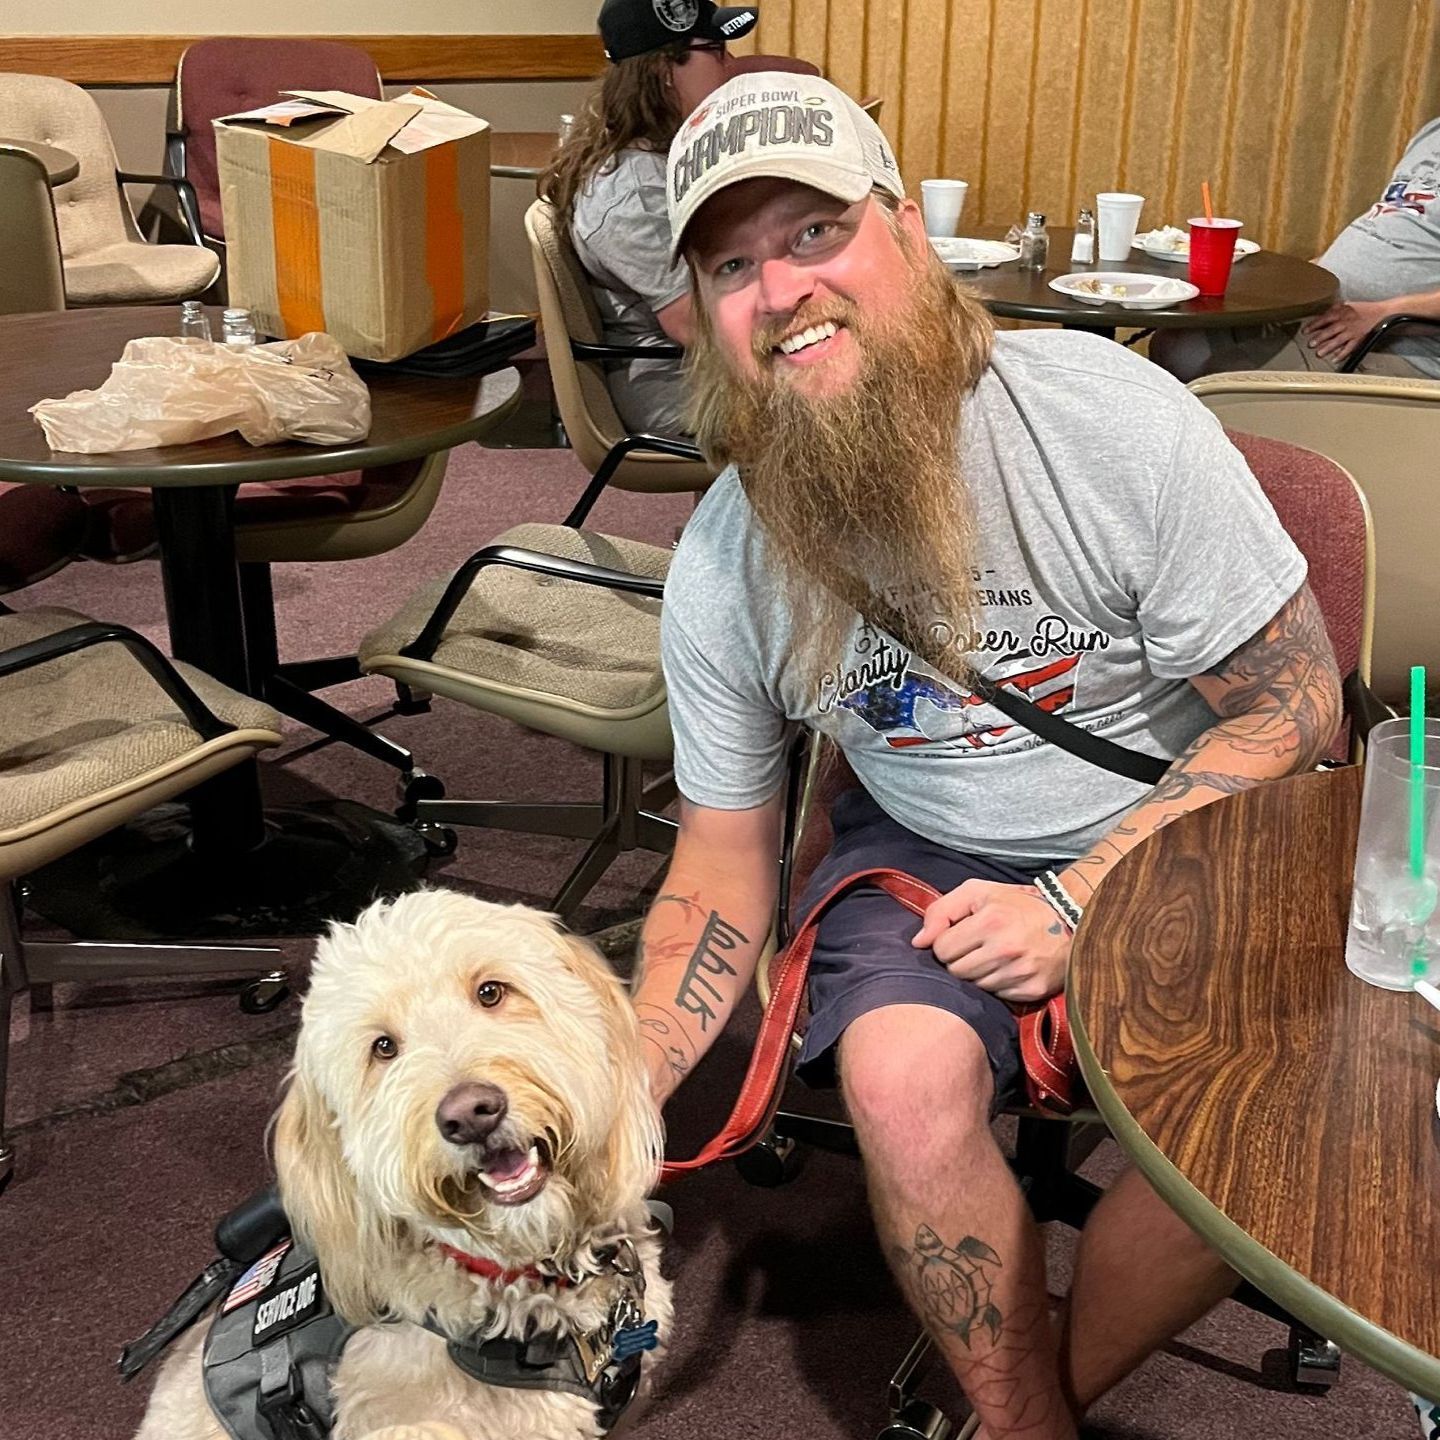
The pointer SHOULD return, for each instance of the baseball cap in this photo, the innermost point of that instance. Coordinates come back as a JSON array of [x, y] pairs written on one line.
[[795, 127], [636, 27]]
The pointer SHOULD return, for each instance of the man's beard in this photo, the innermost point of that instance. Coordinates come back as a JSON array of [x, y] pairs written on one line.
[[860, 494]]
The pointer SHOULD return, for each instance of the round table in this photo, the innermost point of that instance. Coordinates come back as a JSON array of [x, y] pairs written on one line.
[[1283, 1107], [1264, 288], [521, 154], [60, 165], [49, 355]]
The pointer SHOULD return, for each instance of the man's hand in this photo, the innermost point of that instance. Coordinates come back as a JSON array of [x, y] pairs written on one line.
[[1005, 938], [1335, 333]]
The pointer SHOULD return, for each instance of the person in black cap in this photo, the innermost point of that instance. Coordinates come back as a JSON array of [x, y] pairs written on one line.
[[608, 185]]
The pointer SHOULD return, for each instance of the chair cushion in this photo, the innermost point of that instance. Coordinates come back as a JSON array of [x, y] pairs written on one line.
[[90, 212], [224, 75], [598, 648], [79, 727], [40, 529], [122, 522], [134, 271]]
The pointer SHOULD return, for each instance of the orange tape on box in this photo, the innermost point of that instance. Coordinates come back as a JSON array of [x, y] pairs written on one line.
[[444, 239], [296, 219]]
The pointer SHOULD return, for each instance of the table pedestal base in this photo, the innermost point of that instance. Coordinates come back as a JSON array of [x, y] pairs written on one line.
[[144, 881]]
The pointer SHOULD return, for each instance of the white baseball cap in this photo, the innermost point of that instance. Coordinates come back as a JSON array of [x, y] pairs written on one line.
[[766, 122]]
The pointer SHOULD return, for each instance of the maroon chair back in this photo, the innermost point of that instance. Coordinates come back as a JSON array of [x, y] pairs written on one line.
[[787, 64], [220, 75], [1318, 505], [41, 529]]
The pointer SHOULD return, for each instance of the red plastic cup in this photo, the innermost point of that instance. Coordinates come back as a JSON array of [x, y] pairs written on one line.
[[1212, 250]]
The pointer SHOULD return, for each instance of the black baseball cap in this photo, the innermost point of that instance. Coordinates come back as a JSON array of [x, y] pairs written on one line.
[[636, 27]]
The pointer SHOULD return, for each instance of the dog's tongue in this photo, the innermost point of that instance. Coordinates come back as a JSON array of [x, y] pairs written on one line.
[[505, 1164]]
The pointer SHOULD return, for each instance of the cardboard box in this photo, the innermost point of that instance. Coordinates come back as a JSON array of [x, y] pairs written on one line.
[[368, 219]]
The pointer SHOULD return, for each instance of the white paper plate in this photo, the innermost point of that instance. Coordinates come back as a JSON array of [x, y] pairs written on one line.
[[961, 253], [1172, 243], [1125, 288]]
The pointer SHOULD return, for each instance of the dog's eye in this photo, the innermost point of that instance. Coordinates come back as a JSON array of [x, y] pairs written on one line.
[[490, 993], [384, 1048]]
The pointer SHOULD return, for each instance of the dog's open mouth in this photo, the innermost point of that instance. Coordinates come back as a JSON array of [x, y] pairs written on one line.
[[510, 1176]]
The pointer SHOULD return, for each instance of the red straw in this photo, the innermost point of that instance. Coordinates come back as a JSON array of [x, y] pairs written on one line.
[[1205, 195]]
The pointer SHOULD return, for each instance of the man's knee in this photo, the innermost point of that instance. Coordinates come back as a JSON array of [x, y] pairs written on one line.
[[915, 1077]]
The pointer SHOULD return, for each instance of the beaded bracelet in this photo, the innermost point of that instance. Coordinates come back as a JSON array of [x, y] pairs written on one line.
[[1059, 898]]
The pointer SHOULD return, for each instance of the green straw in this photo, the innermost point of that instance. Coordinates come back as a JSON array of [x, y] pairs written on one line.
[[1417, 795]]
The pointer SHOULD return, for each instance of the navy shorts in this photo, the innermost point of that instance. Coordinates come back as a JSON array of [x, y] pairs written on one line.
[[863, 958]]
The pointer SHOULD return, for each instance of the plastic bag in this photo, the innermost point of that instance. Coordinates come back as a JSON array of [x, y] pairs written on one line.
[[172, 391]]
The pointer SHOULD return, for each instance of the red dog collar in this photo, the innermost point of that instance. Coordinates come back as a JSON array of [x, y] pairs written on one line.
[[479, 1265]]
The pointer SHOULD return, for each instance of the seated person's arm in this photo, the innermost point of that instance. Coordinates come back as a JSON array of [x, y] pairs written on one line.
[[1277, 702], [677, 320], [704, 934], [1335, 333]]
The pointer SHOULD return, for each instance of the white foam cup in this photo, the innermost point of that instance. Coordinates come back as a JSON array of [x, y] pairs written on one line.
[[943, 202], [1116, 216]]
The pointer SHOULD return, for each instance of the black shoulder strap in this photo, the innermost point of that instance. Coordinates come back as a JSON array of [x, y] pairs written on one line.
[[1094, 749]]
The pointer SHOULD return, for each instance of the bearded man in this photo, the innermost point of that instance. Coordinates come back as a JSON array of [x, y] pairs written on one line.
[[913, 501]]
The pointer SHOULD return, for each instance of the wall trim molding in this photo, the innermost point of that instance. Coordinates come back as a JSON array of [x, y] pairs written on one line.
[[151, 59]]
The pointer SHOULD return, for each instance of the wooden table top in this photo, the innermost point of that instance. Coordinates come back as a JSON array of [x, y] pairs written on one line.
[[1264, 288], [521, 154], [48, 356], [60, 165], [1283, 1106]]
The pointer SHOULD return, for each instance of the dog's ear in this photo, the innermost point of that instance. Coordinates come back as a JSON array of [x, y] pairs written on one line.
[[637, 1138], [318, 1192]]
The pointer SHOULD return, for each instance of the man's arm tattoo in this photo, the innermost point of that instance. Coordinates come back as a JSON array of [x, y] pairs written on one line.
[[696, 991], [659, 1029]]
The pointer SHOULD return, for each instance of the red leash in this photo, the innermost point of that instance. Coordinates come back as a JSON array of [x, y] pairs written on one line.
[[1045, 1045]]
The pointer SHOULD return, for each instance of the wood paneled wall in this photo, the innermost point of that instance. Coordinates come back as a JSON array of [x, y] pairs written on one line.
[[1294, 110]]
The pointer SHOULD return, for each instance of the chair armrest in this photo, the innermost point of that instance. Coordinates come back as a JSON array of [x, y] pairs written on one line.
[[1379, 334], [1364, 707], [175, 153], [184, 194], [424, 645], [627, 445], [584, 350], [197, 714]]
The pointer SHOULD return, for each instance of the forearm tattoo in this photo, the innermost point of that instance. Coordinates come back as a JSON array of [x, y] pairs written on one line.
[[1277, 699], [696, 991], [659, 1028]]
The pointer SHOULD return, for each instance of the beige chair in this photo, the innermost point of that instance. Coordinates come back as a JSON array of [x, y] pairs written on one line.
[[1383, 430], [576, 351], [106, 260], [99, 727], [558, 629], [32, 278]]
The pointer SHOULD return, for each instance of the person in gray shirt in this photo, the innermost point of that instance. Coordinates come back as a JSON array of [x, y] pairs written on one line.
[[913, 501], [1387, 262], [608, 183]]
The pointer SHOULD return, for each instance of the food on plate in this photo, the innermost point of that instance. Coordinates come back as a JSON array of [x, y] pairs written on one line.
[[1092, 285], [1167, 237]]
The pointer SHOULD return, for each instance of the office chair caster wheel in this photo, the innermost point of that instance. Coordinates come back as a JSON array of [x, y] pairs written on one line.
[[917, 1420], [1316, 1359], [415, 786], [773, 1161], [440, 840], [261, 996]]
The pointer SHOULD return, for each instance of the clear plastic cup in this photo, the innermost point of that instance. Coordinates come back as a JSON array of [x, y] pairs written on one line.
[[943, 202], [1117, 213], [1212, 252], [1394, 933]]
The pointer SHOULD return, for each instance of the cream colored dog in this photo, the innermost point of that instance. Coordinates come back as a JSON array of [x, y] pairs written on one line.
[[467, 1096]]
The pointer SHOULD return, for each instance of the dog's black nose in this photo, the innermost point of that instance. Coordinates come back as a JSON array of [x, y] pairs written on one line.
[[469, 1113]]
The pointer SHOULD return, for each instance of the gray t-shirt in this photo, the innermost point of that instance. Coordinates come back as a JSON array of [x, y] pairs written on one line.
[[621, 231], [1124, 546], [1394, 247]]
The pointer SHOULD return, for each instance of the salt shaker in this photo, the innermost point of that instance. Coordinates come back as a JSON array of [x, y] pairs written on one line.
[[1082, 251], [237, 328], [1034, 243], [194, 322]]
